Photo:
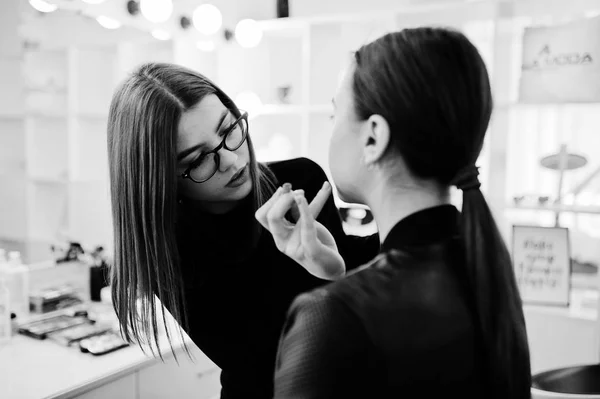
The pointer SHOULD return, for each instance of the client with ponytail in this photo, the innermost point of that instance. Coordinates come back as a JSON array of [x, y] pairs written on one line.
[[437, 313]]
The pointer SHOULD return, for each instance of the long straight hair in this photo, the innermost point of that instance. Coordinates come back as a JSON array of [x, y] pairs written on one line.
[[432, 87], [142, 131]]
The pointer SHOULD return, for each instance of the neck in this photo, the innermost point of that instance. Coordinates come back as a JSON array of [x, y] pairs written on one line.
[[390, 205]]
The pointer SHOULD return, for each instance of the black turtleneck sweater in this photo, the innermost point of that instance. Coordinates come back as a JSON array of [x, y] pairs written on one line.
[[235, 309], [401, 327]]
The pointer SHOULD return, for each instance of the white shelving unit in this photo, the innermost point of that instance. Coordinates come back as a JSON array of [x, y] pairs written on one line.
[[53, 119], [12, 126], [67, 95]]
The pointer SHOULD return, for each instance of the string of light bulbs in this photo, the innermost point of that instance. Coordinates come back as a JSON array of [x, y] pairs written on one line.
[[205, 18]]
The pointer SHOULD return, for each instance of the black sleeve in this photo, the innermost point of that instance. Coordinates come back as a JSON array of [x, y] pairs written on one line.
[[322, 346]]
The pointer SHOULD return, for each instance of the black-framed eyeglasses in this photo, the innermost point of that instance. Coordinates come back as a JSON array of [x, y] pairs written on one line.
[[206, 165]]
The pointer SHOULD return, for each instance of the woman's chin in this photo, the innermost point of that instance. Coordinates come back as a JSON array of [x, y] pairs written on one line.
[[346, 196], [242, 191]]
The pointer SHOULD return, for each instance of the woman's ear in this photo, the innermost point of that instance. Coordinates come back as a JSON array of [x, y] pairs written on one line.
[[377, 138]]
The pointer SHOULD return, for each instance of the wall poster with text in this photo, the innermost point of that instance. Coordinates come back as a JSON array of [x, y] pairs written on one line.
[[542, 262], [561, 64]]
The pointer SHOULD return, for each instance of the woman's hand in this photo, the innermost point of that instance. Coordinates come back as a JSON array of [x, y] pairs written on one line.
[[307, 241]]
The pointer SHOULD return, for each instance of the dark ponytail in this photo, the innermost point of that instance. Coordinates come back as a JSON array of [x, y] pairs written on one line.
[[498, 304], [432, 87]]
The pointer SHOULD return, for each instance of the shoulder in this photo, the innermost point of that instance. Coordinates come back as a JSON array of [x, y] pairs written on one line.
[[320, 304], [405, 282], [300, 169], [346, 294], [375, 285], [321, 315], [357, 285], [320, 338]]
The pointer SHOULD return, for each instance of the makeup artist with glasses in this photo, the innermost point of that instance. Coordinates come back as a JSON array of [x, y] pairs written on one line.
[[185, 186]]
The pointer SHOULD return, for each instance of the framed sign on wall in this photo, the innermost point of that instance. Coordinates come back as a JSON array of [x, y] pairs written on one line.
[[542, 262], [561, 64]]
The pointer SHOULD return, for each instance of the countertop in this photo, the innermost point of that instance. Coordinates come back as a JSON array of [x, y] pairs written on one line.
[[45, 369]]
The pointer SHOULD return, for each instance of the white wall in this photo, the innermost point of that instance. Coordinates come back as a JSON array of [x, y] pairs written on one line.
[[559, 340], [306, 8]]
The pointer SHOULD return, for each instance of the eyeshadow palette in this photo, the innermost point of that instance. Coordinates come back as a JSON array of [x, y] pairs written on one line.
[[74, 334], [40, 329], [103, 343]]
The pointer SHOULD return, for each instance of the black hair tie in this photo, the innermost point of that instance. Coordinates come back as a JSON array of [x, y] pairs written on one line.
[[466, 178]]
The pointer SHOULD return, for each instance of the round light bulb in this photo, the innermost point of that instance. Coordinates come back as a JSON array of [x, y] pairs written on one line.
[[156, 11], [207, 19], [160, 34], [248, 33], [205, 45], [94, 1], [249, 102], [357, 213], [108, 23], [43, 6]]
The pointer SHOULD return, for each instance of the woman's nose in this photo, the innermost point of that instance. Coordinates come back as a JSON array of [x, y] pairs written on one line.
[[228, 159]]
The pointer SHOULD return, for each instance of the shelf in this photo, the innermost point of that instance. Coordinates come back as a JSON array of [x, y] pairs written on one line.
[[56, 180], [48, 180], [321, 108], [20, 174], [47, 90], [583, 306], [289, 109], [85, 115], [11, 117], [568, 312], [89, 115], [48, 115], [95, 181], [558, 208], [518, 105], [281, 109]]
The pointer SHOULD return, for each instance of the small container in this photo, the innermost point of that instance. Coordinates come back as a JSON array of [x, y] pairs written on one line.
[[283, 9], [14, 324], [5, 321], [17, 280]]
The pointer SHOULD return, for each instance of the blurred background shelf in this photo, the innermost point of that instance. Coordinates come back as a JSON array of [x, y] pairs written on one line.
[[594, 210], [289, 109], [60, 100]]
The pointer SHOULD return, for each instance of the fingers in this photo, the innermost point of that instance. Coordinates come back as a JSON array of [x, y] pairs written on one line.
[[272, 213], [308, 230], [320, 199], [294, 213], [261, 213], [276, 220]]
